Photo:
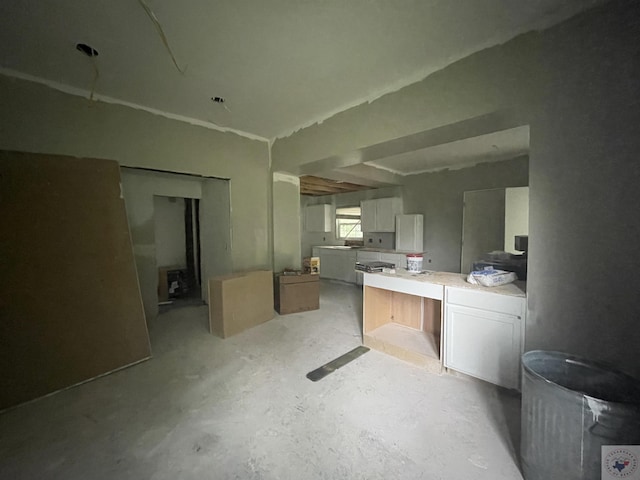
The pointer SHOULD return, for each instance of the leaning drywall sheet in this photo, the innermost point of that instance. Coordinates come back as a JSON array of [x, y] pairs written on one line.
[[70, 306]]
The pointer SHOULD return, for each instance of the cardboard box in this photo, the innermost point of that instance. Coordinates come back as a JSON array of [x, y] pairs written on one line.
[[311, 265], [240, 301], [171, 282], [296, 293]]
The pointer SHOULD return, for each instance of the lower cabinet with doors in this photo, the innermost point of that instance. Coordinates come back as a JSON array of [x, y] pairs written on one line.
[[336, 263], [484, 335]]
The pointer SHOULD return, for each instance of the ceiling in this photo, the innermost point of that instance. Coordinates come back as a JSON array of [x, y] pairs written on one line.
[[279, 64], [492, 147], [389, 169], [317, 186]]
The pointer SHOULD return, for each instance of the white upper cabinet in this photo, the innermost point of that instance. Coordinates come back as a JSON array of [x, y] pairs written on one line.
[[379, 215], [409, 233], [318, 218], [368, 215]]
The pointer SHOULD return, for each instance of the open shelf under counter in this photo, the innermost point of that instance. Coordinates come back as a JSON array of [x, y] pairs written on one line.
[[404, 325], [414, 346]]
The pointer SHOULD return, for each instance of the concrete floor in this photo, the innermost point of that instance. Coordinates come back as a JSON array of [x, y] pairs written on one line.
[[241, 408]]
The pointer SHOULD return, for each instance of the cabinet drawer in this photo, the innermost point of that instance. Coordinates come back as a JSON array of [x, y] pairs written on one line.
[[494, 302]]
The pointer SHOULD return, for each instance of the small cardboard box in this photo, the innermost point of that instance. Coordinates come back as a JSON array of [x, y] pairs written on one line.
[[311, 265], [171, 282], [296, 293], [240, 301]]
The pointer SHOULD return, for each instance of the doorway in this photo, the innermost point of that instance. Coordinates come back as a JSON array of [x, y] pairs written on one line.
[[177, 245], [491, 220]]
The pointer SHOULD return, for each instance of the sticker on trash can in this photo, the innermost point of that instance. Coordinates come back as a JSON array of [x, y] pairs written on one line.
[[620, 461]]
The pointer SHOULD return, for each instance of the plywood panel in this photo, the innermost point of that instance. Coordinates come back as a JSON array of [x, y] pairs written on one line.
[[70, 306], [376, 308], [407, 310]]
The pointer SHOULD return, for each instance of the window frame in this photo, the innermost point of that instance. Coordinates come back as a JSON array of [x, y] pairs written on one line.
[[351, 217]]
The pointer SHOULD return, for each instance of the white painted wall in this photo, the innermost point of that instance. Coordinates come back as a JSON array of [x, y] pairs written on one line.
[[516, 216], [170, 237]]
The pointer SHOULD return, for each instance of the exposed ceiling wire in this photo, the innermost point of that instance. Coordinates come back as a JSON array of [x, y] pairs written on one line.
[[92, 53], [158, 26], [220, 101], [96, 75]]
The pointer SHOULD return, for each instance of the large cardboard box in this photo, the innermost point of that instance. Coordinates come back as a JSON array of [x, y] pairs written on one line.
[[296, 293], [240, 301]]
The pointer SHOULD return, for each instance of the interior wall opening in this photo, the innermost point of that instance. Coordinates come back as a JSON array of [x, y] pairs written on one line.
[[177, 240]]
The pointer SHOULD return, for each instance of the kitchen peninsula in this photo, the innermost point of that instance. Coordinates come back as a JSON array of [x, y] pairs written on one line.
[[438, 321]]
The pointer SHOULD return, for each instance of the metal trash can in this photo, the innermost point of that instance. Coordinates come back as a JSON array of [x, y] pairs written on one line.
[[570, 408]]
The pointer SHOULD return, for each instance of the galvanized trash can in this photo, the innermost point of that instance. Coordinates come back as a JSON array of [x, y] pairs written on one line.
[[570, 408]]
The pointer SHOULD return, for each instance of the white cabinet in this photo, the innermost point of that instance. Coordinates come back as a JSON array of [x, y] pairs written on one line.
[[398, 259], [379, 215], [483, 335], [409, 232], [336, 263], [318, 218]]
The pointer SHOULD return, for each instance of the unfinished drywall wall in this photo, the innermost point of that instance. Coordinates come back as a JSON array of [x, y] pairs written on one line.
[[71, 307], [576, 86], [169, 231], [215, 234], [39, 119], [439, 197], [286, 222], [516, 216], [482, 225]]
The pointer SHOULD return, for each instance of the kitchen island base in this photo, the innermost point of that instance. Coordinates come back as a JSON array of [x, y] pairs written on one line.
[[403, 325]]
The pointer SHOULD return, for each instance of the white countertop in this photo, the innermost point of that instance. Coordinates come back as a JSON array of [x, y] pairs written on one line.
[[448, 279]]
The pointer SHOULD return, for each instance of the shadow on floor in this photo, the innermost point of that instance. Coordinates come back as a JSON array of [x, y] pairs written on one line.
[[504, 409]]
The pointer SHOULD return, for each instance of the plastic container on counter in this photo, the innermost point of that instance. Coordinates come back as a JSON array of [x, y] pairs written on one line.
[[414, 262]]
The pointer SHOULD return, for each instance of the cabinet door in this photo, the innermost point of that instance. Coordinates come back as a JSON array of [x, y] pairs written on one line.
[[483, 344], [348, 266], [368, 215], [398, 259], [386, 215], [409, 233], [331, 264]]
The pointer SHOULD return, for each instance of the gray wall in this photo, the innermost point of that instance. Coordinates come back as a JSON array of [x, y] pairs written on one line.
[[139, 188], [170, 236], [577, 87], [36, 118], [439, 195], [286, 222]]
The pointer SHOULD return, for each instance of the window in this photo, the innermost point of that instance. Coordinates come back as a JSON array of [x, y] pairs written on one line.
[[348, 224]]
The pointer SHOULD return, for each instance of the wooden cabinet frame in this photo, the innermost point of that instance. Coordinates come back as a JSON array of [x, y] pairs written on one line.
[[404, 325]]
